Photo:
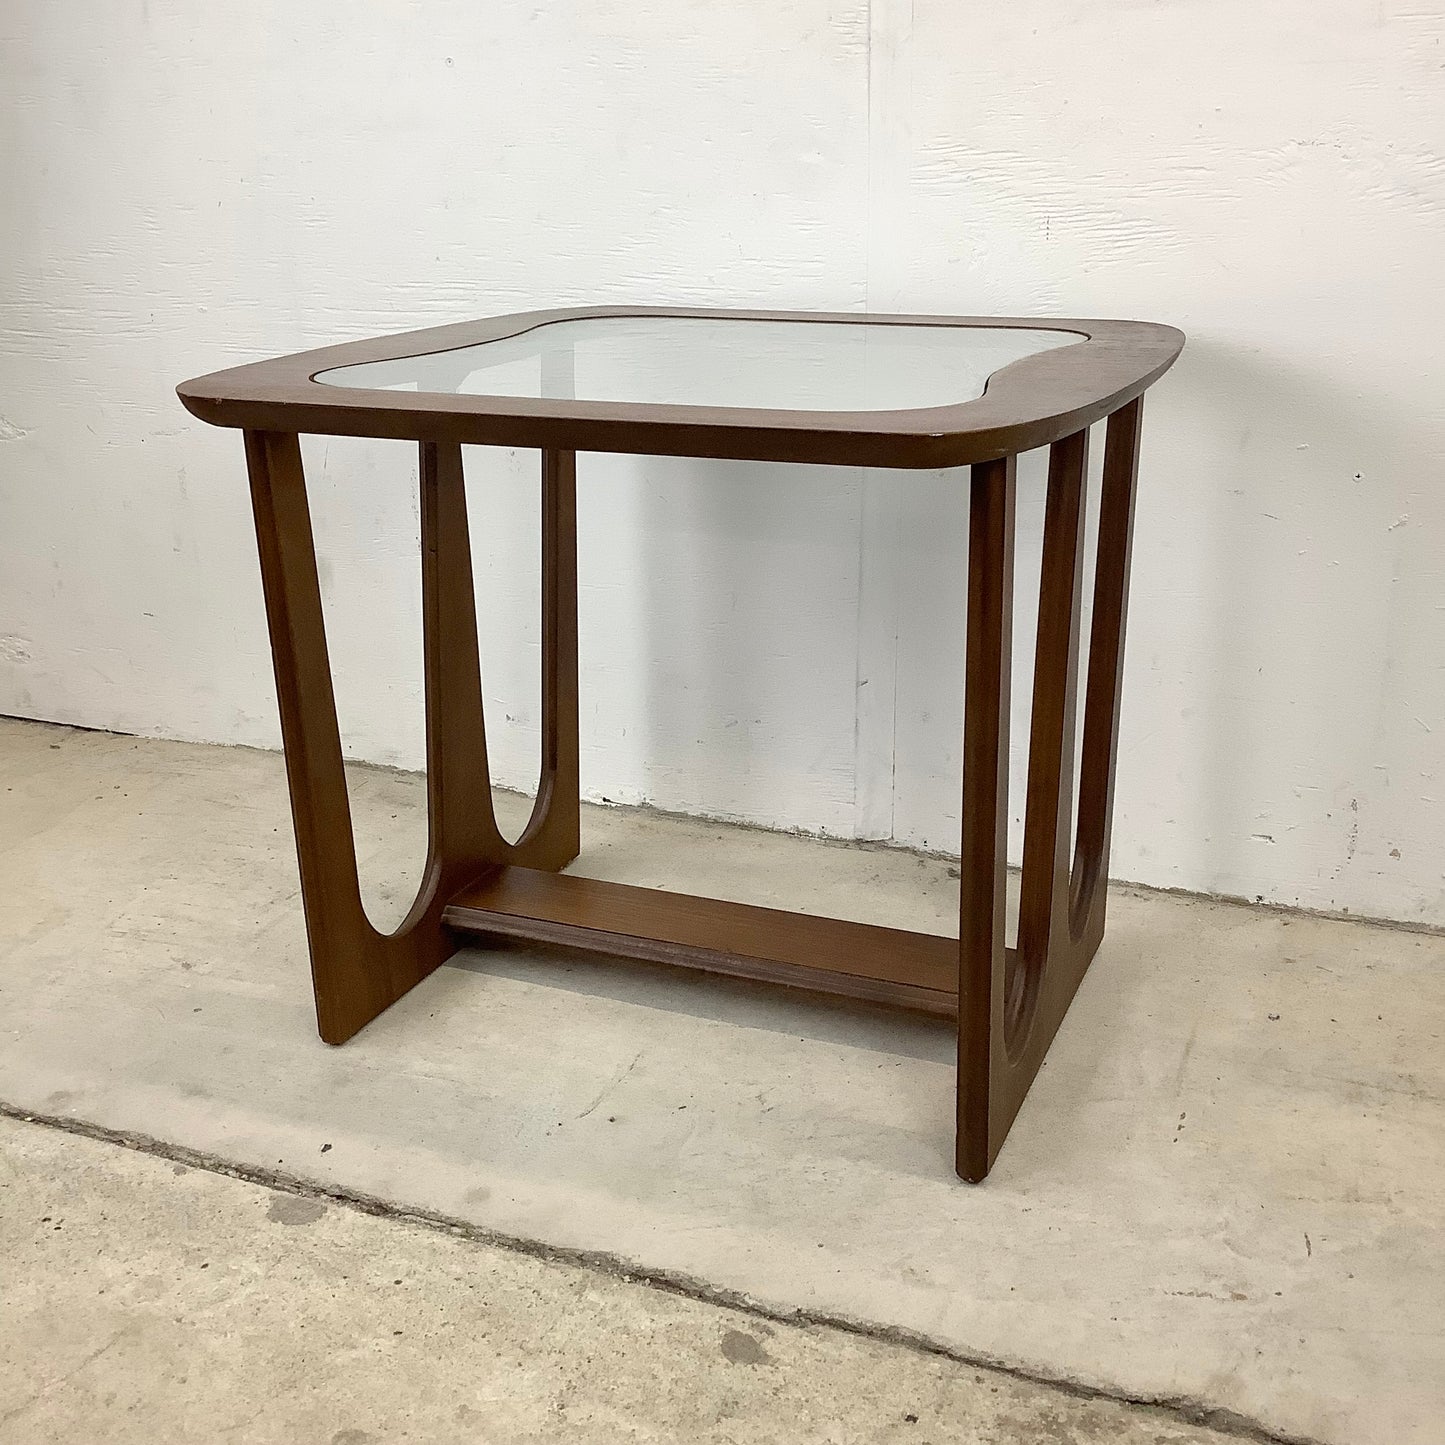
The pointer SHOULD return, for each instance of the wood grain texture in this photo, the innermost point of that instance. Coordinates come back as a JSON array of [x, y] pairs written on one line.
[[1099, 756], [552, 836], [357, 971], [1048, 807], [983, 959], [1013, 1002], [824, 955]]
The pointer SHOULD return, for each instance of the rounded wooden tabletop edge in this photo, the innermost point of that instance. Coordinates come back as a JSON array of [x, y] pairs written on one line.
[[1027, 403]]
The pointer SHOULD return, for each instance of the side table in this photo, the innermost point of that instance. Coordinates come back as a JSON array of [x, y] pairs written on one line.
[[875, 391]]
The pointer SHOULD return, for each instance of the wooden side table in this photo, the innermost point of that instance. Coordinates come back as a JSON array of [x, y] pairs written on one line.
[[876, 391]]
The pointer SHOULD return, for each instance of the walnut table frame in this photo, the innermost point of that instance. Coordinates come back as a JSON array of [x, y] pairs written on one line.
[[1008, 1002]]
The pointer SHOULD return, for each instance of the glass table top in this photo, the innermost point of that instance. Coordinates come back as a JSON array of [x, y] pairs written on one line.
[[721, 361]]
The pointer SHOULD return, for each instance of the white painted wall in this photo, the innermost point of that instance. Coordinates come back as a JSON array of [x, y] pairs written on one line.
[[186, 186]]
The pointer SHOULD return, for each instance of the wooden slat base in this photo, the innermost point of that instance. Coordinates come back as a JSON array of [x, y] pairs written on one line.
[[916, 971]]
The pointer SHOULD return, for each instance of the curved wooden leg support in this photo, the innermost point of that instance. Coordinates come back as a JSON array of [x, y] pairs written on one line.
[[1012, 1003], [1089, 884], [356, 970], [552, 837], [1048, 808]]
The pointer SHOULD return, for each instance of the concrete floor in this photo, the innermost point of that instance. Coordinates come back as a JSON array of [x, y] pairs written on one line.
[[146, 1300], [1227, 1188]]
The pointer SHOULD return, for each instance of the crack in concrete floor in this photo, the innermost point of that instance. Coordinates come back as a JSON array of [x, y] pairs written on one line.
[[1203, 1422], [1274, 1260]]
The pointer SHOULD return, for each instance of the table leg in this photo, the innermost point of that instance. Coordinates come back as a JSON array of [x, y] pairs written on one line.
[[356, 970], [983, 960], [1106, 674], [552, 837], [1011, 1003]]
